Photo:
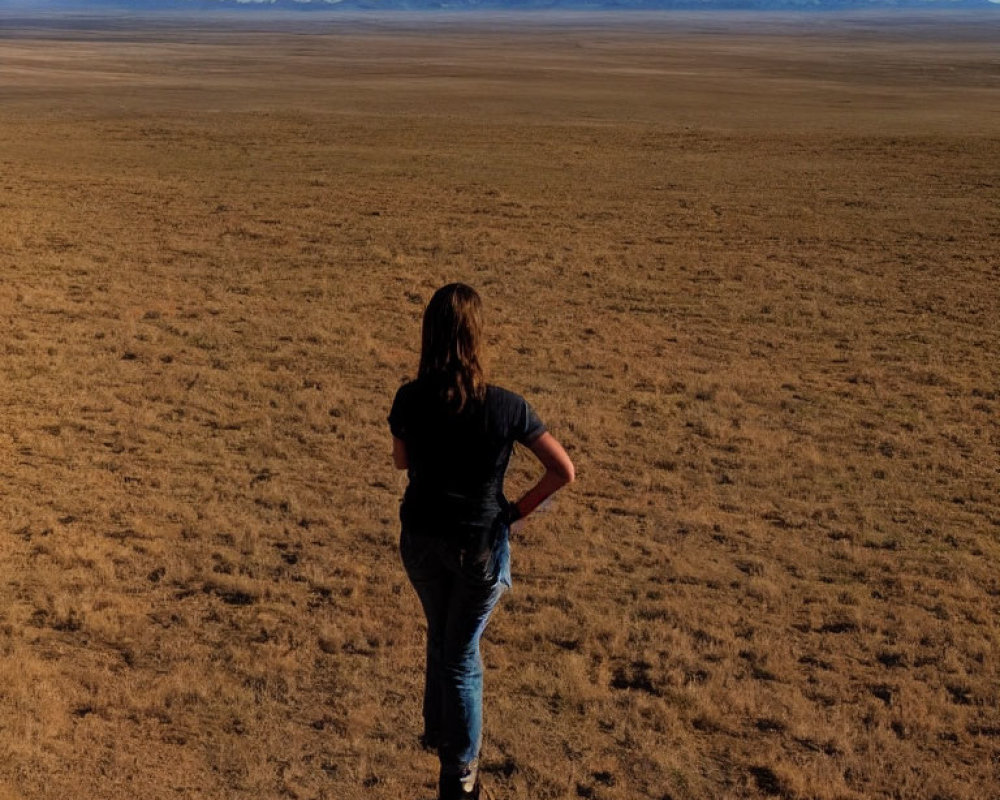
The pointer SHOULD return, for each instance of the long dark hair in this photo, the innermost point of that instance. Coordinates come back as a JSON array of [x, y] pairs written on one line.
[[450, 349]]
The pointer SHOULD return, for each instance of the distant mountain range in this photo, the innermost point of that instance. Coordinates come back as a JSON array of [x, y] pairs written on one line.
[[497, 5]]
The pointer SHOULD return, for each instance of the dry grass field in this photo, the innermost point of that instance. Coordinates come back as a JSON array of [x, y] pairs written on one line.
[[747, 270]]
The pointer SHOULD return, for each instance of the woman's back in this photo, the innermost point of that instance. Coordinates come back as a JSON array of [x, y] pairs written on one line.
[[457, 460]]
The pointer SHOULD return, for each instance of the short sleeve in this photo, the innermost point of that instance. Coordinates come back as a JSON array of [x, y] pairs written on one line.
[[397, 414], [528, 426]]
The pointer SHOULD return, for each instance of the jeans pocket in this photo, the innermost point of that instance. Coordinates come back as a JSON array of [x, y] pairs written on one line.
[[475, 559], [482, 556]]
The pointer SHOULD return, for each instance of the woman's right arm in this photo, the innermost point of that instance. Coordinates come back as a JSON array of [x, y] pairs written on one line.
[[559, 471]]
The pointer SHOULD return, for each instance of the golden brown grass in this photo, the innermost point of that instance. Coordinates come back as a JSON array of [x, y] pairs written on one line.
[[749, 278]]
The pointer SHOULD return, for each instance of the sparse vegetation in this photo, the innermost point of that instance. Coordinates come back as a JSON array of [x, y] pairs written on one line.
[[750, 279]]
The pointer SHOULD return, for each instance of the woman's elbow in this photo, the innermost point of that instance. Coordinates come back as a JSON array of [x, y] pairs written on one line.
[[566, 472]]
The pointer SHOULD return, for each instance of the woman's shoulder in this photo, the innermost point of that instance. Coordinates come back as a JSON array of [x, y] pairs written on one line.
[[498, 394], [406, 388], [504, 400], [407, 394], [519, 419]]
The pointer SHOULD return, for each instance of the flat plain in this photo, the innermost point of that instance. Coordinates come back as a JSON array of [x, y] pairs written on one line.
[[746, 268]]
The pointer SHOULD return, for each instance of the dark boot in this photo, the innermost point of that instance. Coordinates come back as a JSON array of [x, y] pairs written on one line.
[[456, 792]]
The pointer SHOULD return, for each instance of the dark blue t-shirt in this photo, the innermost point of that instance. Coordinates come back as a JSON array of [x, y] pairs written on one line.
[[457, 461]]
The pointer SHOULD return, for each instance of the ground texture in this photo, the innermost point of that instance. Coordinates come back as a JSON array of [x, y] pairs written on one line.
[[747, 271]]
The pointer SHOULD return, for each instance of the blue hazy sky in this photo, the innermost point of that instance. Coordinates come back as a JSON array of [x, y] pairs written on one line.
[[196, 5], [180, 4]]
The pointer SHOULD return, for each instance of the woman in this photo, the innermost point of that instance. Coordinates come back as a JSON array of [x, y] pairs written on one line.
[[454, 434]]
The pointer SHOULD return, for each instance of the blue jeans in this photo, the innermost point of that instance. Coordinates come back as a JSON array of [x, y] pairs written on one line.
[[459, 582]]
